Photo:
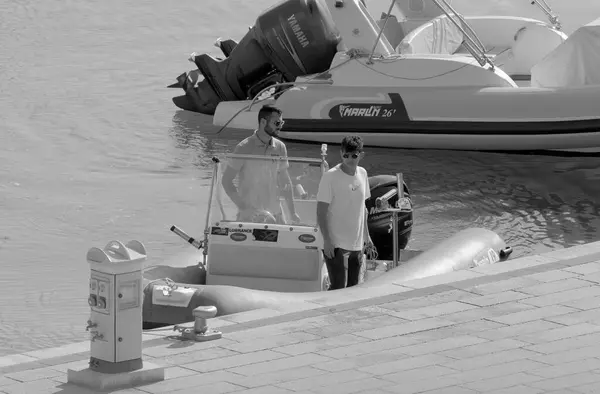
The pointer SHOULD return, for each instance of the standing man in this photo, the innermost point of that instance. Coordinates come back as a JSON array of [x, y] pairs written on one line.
[[261, 182], [342, 214]]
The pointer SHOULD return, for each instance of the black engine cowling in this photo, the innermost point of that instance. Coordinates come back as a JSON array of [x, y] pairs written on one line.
[[379, 224], [291, 39]]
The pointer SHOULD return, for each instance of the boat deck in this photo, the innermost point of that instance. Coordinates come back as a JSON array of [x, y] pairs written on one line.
[[530, 325]]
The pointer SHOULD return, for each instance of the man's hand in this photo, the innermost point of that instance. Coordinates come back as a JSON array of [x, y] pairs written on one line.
[[328, 249]]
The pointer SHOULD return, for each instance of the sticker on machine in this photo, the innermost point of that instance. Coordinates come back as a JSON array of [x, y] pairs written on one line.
[[392, 109], [219, 231]]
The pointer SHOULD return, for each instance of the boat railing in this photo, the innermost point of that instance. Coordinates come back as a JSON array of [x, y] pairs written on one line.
[[546, 9], [471, 41]]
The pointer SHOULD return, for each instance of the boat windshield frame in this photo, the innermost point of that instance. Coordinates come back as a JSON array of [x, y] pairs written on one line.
[[220, 163]]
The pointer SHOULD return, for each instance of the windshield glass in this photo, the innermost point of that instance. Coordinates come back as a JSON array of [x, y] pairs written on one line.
[[270, 190]]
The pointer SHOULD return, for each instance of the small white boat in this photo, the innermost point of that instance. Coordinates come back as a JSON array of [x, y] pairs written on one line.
[[263, 259], [429, 79]]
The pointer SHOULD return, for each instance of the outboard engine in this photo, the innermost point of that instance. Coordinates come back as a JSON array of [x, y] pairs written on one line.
[[293, 38], [380, 224]]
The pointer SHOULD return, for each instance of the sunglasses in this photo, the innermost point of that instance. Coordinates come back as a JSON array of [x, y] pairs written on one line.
[[279, 123], [354, 155]]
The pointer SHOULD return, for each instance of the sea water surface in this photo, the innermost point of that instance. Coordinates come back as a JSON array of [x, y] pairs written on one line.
[[92, 149]]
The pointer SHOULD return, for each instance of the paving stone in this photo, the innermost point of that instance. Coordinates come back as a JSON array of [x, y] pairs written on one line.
[[379, 322], [277, 376], [13, 359], [263, 390], [567, 356], [234, 361], [441, 345], [584, 269], [555, 287], [562, 297], [503, 285], [427, 300], [552, 276], [435, 310], [566, 344], [179, 347], [451, 390], [324, 380], [485, 360], [257, 367], [403, 328], [488, 347], [568, 368], [594, 277], [5, 381], [424, 385], [189, 357], [321, 344], [560, 333], [590, 388], [520, 389], [354, 386], [34, 374], [496, 298], [41, 386], [509, 331], [487, 312], [364, 360], [565, 382], [583, 304], [375, 346], [532, 314], [503, 382], [505, 370], [218, 381], [275, 341], [417, 374], [410, 363]]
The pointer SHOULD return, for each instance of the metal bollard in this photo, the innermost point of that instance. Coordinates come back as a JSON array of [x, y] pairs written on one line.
[[200, 332]]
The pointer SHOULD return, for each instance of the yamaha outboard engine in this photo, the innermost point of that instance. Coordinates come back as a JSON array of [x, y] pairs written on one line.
[[380, 224], [291, 39]]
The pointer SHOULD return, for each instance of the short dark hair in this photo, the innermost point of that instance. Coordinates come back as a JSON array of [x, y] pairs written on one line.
[[352, 143], [267, 110]]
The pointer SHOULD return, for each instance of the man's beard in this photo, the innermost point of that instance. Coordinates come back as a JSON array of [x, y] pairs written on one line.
[[272, 131]]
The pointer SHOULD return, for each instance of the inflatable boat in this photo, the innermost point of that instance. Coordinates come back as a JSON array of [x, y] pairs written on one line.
[[261, 259], [422, 76], [172, 301]]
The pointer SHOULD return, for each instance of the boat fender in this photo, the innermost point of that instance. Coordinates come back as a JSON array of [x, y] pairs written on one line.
[[504, 253]]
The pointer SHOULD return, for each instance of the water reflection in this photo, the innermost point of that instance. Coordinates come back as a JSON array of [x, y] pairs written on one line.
[[536, 203]]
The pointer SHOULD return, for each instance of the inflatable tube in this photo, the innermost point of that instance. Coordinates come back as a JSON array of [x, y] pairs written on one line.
[[466, 249]]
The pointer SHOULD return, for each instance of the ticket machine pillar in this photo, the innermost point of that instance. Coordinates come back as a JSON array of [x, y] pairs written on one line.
[[115, 323]]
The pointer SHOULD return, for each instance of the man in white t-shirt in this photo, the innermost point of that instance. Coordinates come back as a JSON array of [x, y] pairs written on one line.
[[342, 214]]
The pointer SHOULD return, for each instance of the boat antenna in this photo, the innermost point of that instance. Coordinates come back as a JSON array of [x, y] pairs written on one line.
[[552, 17], [389, 14]]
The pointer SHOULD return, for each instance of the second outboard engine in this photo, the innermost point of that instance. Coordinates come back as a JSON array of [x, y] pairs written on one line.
[[379, 224], [293, 38]]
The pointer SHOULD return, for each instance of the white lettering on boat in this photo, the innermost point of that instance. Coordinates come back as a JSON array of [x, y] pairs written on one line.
[[370, 111], [295, 26]]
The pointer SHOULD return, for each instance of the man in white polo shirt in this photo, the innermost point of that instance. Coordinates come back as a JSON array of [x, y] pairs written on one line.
[[342, 214], [261, 182]]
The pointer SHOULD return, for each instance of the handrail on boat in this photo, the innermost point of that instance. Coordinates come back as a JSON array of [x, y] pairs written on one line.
[[546, 9], [472, 42]]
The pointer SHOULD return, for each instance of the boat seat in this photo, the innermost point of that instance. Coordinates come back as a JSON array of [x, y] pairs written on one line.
[[438, 36]]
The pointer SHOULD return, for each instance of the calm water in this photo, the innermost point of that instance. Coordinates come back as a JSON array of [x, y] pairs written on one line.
[[92, 149]]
